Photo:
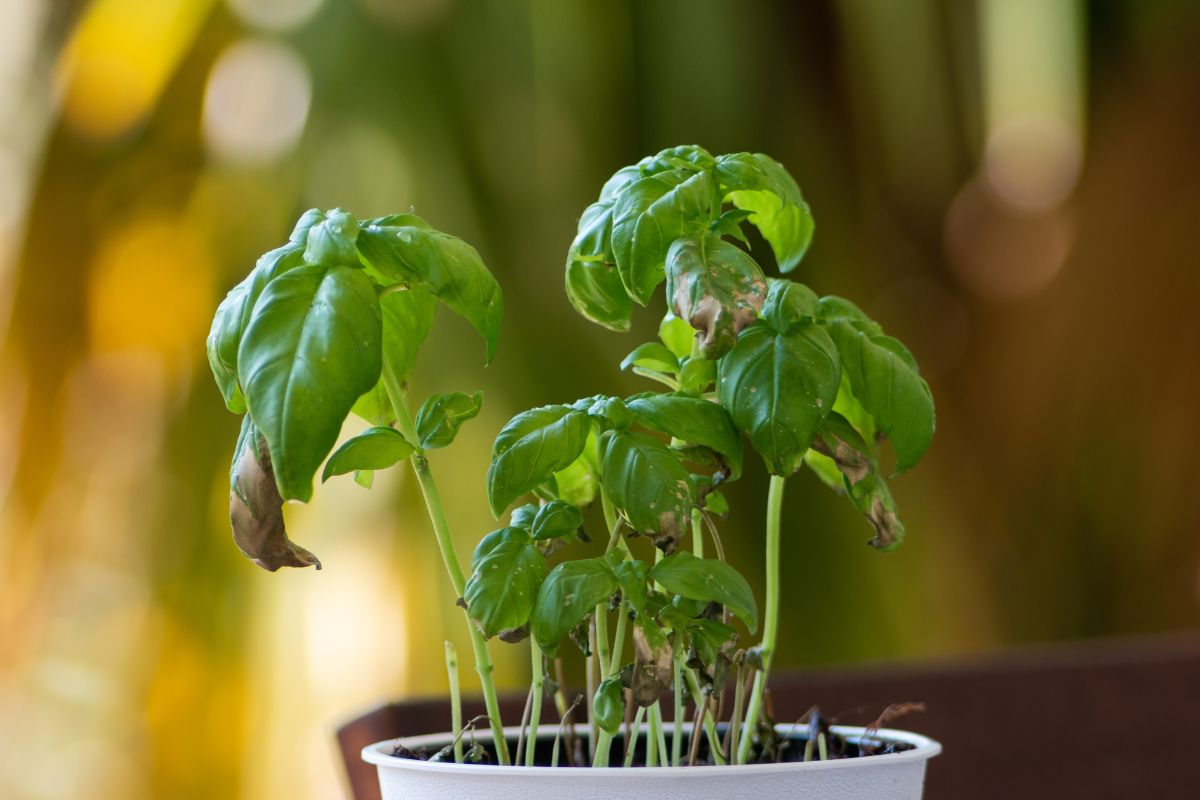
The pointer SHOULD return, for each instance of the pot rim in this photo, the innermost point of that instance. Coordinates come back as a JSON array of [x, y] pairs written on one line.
[[924, 748]]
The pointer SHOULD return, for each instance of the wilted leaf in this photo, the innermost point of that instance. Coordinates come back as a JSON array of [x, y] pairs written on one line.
[[717, 287], [652, 667], [256, 507]]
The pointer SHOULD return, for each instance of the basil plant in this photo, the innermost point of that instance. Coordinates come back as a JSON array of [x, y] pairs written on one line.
[[328, 325], [809, 381]]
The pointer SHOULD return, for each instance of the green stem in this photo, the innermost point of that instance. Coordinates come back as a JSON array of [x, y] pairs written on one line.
[[653, 738], [634, 733], [593, 727], [536, 714], [697, 533], [677, 734], [618, 648], [603, 746], [710, 725], [441, 531], [455, 700], [770, 618]]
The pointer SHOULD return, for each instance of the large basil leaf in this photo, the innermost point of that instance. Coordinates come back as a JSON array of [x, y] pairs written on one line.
[[569, 593], [596, 292], [299, 234], [374, 448], [777, 387], [311, 348], [692, 420], [708, 581], [842, 446], [229, 323], [507, 569], [716, 286], [648, 216], [442, 415], [759, 184], [883, 377], [407, 318], [531, 448], [646, 481], [446, 266]]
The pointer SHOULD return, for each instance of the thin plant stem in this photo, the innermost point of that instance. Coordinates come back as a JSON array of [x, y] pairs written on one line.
[[635, 731], [697, 533], [441, 531], [677, 722], [710, 727], [770, 617], [652, 737], [535, 713], [603, 748], [701, 717], [822, 747], [562, 726], [739, 699], [663, 756], [455, 699], [618, 648], [593, 727], [524, 722]]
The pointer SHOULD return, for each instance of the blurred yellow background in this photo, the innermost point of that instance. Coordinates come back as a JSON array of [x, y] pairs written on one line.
[[1011, 186]]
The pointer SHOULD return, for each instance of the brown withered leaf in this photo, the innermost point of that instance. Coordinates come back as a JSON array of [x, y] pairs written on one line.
[[717, 287], [651, 670], [256, 508], [839, 441]]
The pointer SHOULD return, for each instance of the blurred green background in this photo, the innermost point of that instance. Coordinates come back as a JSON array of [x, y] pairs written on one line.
[[1011, 186]]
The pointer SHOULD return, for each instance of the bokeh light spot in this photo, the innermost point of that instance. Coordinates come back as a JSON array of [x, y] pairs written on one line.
[[256, 102], [275, 15]]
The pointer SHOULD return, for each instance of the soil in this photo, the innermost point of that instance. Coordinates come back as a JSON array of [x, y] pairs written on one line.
[[787, 749]]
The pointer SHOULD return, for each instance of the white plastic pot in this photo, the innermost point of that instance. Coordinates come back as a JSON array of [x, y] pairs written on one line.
[[896, 776]]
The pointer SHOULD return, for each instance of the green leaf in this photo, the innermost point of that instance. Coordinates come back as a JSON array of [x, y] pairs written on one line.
[[842, 446], [787, 303], [608, 706], [229, 322], [533, 446], [299, 234], [652, 356], [708, 637], [578, 483], [692, 420], [444, 265], [407, 318], [717, 287], [556, 519], [883, 377], [442, 415], [374, 448], [709, 581], [507, 569], [523, 516], [364, 478], [312, 347], [715, 503], [696, 375], [647, 483], [632, 575], [596, 292], [569, 593], [778, 387], [677, 335], [647, 217], [730, 224], [331, 241], [687, 157], [759, 184]]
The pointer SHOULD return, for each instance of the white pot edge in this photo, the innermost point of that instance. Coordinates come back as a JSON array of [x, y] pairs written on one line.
[[924, 749]]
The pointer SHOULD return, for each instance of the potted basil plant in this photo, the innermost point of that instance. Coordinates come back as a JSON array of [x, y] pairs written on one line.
[[650, 605]]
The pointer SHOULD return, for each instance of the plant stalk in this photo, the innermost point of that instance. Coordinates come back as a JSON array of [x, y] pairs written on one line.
[[635, 731], [441, 530], [455, 700], [710, 726], [535, 713], [677, 734], [770, 618]]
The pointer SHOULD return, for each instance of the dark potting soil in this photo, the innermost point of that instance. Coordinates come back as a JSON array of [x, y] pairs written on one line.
[[784, 749]]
